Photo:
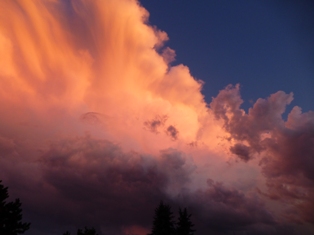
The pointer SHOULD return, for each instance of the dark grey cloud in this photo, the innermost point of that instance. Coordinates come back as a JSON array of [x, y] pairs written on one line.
[[242, 151], [87, 181], [156, 123], [172, 132], [223, 209]]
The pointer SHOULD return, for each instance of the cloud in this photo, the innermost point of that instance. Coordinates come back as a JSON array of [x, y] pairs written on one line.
[[242, 151], [92, 181], [6, 145], [172, 132], [155, 124], [224, 209], [286, 147], [168, 54], [94, 121], [96, 174]]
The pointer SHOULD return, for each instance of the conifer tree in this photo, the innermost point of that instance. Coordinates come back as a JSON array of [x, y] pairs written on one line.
[[185, 226], [87, 231], [10, 215], [163, 221]]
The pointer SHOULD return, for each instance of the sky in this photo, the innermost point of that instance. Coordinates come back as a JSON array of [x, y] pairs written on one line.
[[109, 107], [265, 46]]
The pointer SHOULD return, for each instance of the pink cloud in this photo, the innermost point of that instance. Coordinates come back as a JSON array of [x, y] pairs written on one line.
[[286, 147], [94, 121]]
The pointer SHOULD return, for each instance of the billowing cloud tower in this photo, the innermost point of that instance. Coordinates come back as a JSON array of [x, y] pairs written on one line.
[[97, 127]]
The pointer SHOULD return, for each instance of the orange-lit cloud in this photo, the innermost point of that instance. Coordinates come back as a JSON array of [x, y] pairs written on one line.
[[62, 62]]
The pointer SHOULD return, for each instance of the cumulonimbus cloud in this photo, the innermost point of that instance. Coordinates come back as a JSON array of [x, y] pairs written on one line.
[[95, 118]]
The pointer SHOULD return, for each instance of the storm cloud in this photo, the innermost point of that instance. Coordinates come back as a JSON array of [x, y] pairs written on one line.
[[97, 127]]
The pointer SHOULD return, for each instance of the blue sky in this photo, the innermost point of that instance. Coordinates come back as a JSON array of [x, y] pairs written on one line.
[[265, 46]]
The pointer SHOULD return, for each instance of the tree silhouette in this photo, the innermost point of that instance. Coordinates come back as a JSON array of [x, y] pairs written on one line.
[[87, 231], [10, 215], [185, 226], [163, 221]]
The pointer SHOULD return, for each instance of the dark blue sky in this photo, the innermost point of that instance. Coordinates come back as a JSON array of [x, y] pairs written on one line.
[[265, 46]]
